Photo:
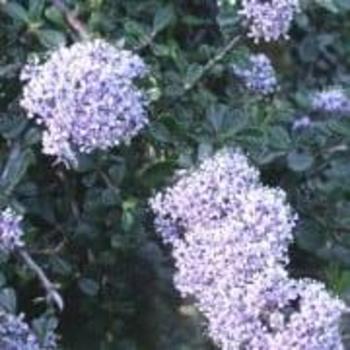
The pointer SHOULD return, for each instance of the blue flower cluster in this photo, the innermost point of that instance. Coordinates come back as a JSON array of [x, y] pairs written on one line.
[[85, 97], [230, 236], [10, 231], [15, 334], [258, 75], [331, 100], [269, 20]]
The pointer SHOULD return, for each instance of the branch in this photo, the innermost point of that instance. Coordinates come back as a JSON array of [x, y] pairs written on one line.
[[51, 289], [220, 55], [72, 20]]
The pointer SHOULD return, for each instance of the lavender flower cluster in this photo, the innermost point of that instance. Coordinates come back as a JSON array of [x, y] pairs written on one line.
[[269, 20], [10, 231], [332, 100], [85, 97], [15, 334], [259, 76], [229, 236], [203, 197]]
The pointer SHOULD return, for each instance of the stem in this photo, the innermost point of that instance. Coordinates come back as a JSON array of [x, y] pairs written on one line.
[[109, 182], [50, 288], [72, 20], [147, 41], [220, 55]]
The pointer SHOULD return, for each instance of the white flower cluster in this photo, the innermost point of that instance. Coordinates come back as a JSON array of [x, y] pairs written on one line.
[[331, 100], [229, 236], [258, 75], [269, 20], [10, 231], [205, 196], [85, 98]]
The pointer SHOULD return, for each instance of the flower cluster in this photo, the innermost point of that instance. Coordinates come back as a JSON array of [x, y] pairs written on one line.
[[15, 334], [269, 20], [273, 312], [10, 231], [259, 76], [302, 123], [229, 236], [85, 97], [205, 196], [332, 100]]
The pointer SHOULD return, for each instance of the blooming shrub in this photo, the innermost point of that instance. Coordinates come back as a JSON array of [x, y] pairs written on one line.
[[105, 104]]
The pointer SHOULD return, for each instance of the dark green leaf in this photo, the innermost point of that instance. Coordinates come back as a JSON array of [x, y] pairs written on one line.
[[89, 286], [300, 161]]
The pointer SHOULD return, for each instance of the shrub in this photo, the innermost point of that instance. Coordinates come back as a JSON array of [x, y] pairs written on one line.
[[125, 99]]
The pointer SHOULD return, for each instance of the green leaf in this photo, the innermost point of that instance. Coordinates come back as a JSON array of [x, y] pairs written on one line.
[[156, 174], [300, 161], [279, 138], [11, 126], [308, 49], [2, 279], [88, 286], [311, 237], [192, 73], [16, 168], [36, 8], [216, 116], [330, 5], [17, 12], [51, 38], [343, 4], [163, 18], [54, 15], [44, 327]]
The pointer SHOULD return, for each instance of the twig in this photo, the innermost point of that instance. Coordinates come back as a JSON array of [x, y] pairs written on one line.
[[220, 55], [50, 251], [50, 288], [147, 41], [72, 20], [109, 182]]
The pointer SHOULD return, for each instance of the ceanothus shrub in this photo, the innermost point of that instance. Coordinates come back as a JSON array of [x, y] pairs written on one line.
[[244, 251]]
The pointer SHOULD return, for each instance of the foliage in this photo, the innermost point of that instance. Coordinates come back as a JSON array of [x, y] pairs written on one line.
[[90, 228]]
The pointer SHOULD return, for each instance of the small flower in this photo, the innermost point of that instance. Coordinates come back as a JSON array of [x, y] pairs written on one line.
[[301, 123], [269, 20], [85, 98], [332, 100], [259, 76], [10, 231]]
